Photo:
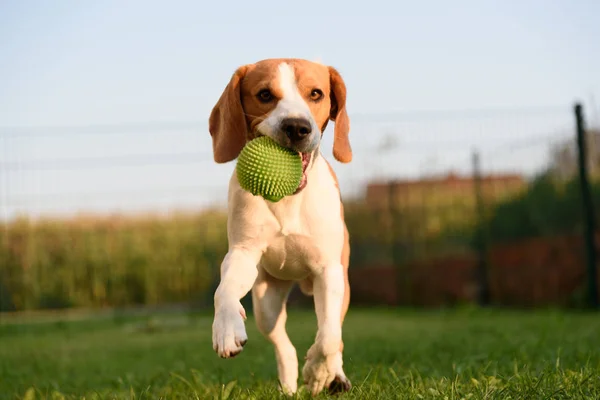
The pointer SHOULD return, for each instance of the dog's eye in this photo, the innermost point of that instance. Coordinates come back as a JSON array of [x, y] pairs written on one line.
[[265, 96], [316, 95]]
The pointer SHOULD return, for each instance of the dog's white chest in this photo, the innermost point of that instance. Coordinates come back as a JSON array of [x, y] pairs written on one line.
[[290, 257], [291, 250], [309, 229], [298, 235]]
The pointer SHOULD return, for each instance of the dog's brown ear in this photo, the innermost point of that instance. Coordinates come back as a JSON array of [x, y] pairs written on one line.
[[341, 143], [227, 122]]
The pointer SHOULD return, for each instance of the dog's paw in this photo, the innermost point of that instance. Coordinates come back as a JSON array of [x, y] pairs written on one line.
[[318, 373], [339, 384], [288, 388], [228, 331]]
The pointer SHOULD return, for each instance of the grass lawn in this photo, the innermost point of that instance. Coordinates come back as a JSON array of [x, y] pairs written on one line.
[[389, 354]]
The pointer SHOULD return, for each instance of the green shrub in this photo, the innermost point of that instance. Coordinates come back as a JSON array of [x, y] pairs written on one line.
[[547, 208]]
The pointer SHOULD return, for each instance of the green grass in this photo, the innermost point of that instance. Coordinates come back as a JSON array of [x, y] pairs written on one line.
[[469, 354]]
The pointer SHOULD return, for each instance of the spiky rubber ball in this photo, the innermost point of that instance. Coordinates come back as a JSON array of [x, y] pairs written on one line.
[[267, 169]]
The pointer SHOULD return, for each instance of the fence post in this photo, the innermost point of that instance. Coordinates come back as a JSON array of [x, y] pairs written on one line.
[[483, 293], [396, 257], [588, 210]]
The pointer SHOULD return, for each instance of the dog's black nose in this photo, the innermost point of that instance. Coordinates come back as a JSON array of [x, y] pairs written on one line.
[[296, 128]]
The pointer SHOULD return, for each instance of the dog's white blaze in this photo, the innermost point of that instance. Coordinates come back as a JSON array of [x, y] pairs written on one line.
[[291, 104]]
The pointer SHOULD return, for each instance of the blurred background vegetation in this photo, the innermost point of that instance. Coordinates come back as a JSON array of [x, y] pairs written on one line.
[[453, 221], [150, 260]]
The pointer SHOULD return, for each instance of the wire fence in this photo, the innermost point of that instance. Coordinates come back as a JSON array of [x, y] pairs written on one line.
[[167, 166], [430, 198]]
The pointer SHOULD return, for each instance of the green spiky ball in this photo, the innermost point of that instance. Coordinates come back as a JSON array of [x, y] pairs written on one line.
[[266, 169]]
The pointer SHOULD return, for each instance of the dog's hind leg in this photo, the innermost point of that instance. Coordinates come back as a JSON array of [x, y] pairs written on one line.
[[269, 296]]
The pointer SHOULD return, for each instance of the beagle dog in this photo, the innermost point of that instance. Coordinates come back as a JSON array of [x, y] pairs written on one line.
[[302, 238]]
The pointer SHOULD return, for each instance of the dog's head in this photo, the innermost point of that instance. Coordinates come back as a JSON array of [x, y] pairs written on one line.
[[288, 100]]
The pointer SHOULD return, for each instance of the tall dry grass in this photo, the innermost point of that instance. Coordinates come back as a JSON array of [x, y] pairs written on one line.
[[109, 261]]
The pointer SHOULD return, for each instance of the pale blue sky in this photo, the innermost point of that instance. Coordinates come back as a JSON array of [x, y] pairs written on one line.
[[66, 63]]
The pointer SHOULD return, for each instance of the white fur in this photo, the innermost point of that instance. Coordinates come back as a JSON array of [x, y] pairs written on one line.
[[291, 105], [269, 296], [271, 246]]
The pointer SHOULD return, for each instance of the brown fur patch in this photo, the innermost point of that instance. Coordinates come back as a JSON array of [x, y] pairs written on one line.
[[226, 123]]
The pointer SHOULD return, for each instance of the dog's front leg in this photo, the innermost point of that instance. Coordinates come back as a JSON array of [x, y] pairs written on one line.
[[323, 358], [238, 273]]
